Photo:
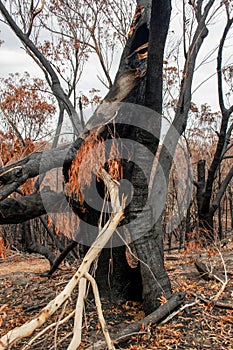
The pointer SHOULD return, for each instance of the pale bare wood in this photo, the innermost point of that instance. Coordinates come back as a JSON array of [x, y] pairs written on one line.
[[45, 330], [77, 333], [105, 234], [108, 340]]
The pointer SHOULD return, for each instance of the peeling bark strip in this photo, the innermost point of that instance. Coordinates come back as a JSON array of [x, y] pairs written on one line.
[[133, 61], [138, 13]]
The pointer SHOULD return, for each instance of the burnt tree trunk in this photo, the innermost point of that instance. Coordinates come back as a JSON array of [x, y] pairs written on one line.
[[149, 246], [138, 82]]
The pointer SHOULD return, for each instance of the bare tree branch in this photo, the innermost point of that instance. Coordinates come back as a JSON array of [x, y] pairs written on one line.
[[224, 124], [222, 190], [183, 106], [55, 83], [14, 175], [17, 210], [33, 14], [219, 65]]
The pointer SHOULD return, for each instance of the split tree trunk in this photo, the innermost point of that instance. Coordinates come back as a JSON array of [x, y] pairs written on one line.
[[148, 92], [132, 85]]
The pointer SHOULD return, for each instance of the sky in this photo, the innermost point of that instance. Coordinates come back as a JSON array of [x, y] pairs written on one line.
[[14, 59]]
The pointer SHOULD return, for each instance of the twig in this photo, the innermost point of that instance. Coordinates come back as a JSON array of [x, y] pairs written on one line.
[[61, 341], [45, 330], [127, 336], [224, 283], [216, 303], [171, 316], [100, 312]]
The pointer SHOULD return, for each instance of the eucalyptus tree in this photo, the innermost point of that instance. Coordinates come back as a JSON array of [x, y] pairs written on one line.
[[138, 82]]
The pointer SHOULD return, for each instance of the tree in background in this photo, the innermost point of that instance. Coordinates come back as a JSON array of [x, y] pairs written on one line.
[[24, 109]]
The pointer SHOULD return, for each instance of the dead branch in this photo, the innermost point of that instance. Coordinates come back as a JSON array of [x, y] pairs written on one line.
[[218, 304], [223, 281], [45, 330], [99, 310], [61, 257], [77, 333], [206, 273], [213, 303], [104, 235], [18, 210], [184, 307], [155, 317]]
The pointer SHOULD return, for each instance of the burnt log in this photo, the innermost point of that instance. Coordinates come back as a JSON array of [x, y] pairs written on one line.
[[154, 318]]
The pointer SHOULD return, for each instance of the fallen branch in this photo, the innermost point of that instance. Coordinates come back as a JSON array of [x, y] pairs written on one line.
[[184, 307], [76, 340], [217, 304], [99, 311], [45, 330], [206, 273], [155, 317], [213, 303], [61, 257], [105, 234]]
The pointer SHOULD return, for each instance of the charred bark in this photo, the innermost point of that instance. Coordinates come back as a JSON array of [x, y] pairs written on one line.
[[131, 85], [32, 246], [56, 262], [117, 281], [149, 246], [17, 210]]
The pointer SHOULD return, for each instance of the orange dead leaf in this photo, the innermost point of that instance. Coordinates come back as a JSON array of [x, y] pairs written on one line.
[[162, 299], [89, 158], [50, 221]]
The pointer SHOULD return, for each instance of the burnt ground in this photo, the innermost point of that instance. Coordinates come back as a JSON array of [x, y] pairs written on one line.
[[25, 290]]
